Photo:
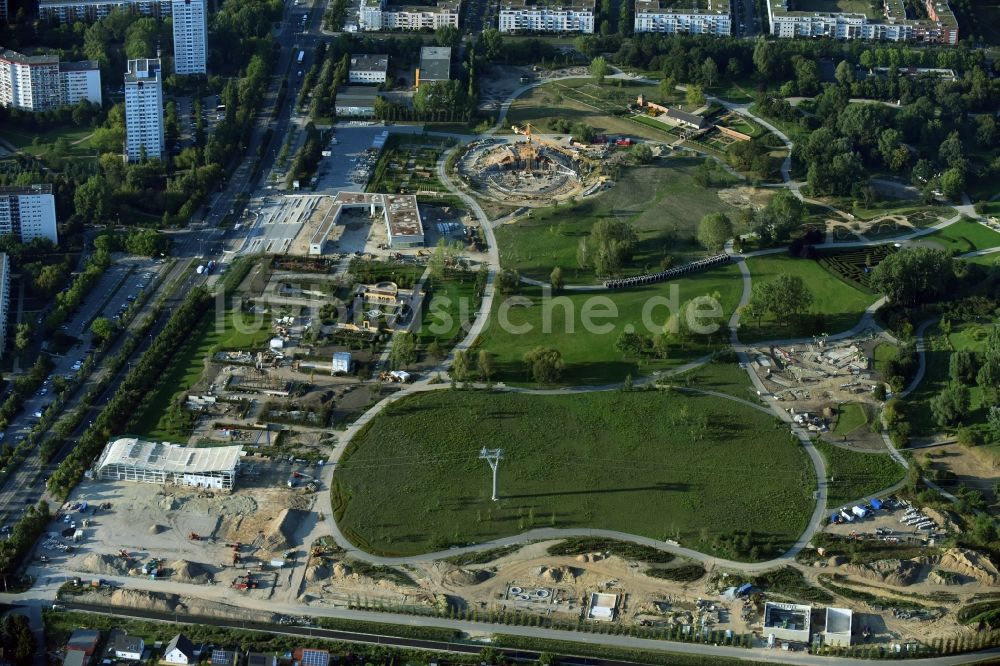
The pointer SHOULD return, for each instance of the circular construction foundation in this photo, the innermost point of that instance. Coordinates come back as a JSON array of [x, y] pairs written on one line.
[[526, 172]]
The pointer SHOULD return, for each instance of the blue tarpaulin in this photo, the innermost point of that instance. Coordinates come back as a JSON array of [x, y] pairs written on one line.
[[743, 589], [876, 504], [834, 517]]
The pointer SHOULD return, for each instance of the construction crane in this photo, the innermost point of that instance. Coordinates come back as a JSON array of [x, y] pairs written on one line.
[[527, 131]]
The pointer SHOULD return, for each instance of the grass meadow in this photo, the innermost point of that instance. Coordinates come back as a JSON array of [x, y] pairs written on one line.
[[152, 419], [965, 236], [590, 355], [655, 463], [837, 306], [854, 475], [661, 200]]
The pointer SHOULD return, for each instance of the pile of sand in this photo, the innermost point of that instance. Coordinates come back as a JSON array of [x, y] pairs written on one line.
[[317, 572], [972, 564], [280, 533], [943, 518], [590, 557], [183, 571], [172, 603], [893, 572], [156, 529], [104, 564], [341, 570], [556, 575], [936, 578], [464, 577]]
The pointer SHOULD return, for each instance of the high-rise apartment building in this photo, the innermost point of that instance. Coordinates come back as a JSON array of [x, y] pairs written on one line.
[[143, 110], [28, 213], [190, 36], [41, 83]]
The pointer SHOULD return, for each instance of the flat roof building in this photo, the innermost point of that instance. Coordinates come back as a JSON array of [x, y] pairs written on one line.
[[435, 64], [133, 459], [400, 213], [190, 19], [356, 101], [42, 83], [368, 68], [28, 213], [378, 15], [144, 110], [839, 623], [88, 11], [560, 16], [940, 25], [695, 17], [788, 622]]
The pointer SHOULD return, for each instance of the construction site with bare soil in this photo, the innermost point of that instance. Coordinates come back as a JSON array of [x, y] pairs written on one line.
[[249, 538], [536, 170]]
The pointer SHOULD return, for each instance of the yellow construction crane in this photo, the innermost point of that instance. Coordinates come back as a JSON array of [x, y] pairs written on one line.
[[527, 131]]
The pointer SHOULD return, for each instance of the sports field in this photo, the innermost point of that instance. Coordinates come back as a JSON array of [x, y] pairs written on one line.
[[661, 200], [839, 304], [659, 464], [588, 351]]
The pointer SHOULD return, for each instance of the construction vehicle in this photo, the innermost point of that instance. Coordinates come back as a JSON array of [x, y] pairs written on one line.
[[246, 582], [236, 558], [194, 536]]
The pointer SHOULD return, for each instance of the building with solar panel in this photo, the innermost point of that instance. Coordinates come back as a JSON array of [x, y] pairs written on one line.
[[312, 657], [132, 459]]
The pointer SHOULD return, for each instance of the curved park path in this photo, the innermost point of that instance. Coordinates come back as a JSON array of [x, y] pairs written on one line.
[[328, 526]]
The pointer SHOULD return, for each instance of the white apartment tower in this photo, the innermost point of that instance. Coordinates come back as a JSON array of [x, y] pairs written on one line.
[[190, 36], [28, 213], [42, 83], [143, 109]]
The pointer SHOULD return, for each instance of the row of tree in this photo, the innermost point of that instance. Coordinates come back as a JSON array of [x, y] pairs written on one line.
[[134, 389]]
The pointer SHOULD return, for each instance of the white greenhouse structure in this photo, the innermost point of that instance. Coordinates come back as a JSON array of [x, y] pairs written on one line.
[[132, 459]]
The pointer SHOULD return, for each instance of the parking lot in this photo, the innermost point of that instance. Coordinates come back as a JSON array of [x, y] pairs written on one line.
[[345, 169]]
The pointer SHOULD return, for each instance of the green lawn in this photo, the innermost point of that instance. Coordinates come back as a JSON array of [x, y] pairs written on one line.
[[24, 139], [452, 304], [152, 419], [581, 100], [852, 416], [661, 200], [854, 475], [719, 376], [658, 463], [589, 352], [965, 236], [838, 304]]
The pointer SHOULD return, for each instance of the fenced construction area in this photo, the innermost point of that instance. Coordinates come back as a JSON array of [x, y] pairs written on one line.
[[665, 465]]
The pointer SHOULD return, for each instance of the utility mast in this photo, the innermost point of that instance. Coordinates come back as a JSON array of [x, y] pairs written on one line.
[[493, 457]]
